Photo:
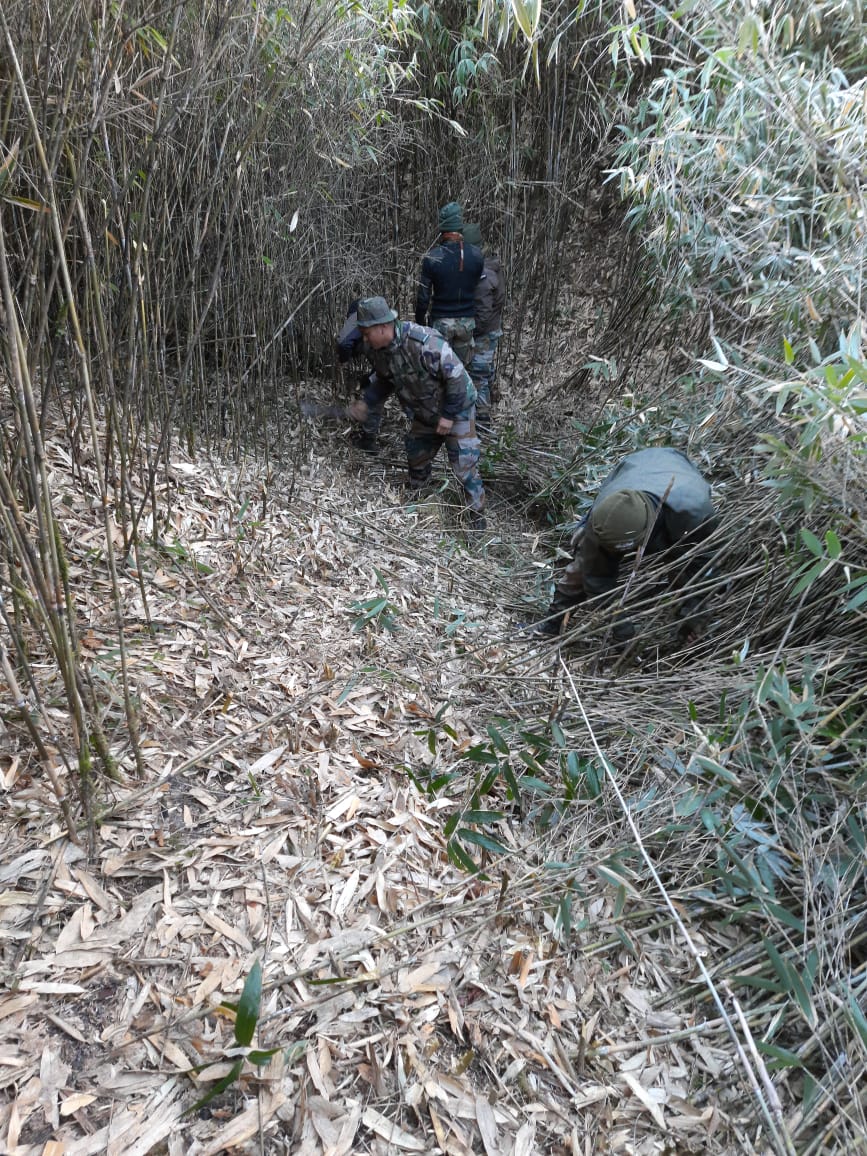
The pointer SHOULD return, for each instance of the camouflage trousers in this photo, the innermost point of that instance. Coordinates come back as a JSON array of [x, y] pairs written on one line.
[[458, 332], [482, 367], [463, 449]]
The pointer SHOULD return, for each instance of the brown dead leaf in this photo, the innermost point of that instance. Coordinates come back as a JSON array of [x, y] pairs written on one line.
[[647, 1098], [394, 1134], [487, 1126]]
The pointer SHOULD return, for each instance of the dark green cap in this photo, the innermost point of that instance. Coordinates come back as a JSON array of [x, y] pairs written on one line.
[[472, 234], [374, 311], [451, 218], [620, 520]]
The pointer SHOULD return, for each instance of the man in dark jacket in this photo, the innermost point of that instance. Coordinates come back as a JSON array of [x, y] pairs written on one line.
[[349, 339], [655, 499], [350, 345], [450, 272], [436, 394], [489, 302]]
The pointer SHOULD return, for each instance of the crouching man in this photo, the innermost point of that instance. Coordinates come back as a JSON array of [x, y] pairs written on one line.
[[435, 391], [655, 500]]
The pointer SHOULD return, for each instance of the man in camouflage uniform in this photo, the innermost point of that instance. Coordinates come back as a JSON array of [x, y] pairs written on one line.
[[489, 301], [450, 272], [654, 499], [435, 391]]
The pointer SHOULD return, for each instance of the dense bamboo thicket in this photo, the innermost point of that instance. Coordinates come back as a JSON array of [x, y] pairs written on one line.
[[189, 199]]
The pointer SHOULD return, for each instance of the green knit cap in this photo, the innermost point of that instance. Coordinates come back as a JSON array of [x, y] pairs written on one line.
[[472, 234], [451, 218], [621, 519]]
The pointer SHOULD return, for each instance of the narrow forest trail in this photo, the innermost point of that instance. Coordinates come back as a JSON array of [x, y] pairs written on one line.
[[313, 651], [279, 821]]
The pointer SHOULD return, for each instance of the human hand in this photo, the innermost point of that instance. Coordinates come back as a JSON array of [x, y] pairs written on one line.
[[623, 631], [689, 630], [577, 535], [444, 426], [358, 410]]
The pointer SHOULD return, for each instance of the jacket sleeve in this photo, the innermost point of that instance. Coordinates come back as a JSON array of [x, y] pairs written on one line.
[[485, 302], [458, 384], [423, 294], [499, 298], [377, 390], [349, 340], [683, 531], [601, 568]]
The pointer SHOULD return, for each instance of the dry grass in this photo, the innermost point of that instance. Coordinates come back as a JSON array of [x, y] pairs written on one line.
[[277, 819], [666, 938]]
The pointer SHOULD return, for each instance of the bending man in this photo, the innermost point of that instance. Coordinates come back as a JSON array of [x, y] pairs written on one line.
[[435, 392], [654, 498]]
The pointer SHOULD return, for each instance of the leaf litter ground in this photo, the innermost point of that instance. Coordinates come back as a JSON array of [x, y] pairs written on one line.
[[416, 1008]]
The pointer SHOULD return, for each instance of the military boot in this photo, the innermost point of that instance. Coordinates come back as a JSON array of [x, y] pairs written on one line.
[[552, 623], [366, 442]]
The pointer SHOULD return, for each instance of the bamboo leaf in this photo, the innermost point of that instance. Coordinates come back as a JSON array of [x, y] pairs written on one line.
[[628, 942], [717, 769], [786, 917], [607, 872], [858, 601], [781, 1057], [219, 1087], [25, 203], [857, 1019], [812, 543], [479, 839], [792, 982], [248, 1006], [531, 783], [759, 982], [564, 912], [531, 762], [511, 781], [809, 578], [460, 857], [801, 993], [483, 816], [480, 754], [499, 743], [527, 14]]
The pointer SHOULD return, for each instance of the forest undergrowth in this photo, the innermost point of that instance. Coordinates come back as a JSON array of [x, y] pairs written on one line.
[[308, 845], [498, 889]]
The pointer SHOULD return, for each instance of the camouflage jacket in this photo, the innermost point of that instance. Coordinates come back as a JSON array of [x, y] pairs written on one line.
[[422, 369], [686, 517]]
